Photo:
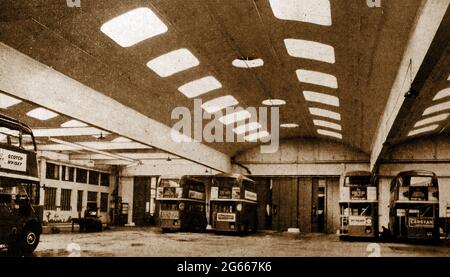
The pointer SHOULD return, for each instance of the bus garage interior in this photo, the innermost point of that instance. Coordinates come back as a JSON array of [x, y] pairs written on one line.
[[357, 87]]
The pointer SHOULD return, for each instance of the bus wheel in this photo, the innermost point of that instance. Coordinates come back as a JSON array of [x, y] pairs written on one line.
[[165, 230], [29, 240]]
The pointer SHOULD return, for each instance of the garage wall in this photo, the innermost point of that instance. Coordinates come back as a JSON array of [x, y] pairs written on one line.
[[58, 215], [305, 158], [291, 169]]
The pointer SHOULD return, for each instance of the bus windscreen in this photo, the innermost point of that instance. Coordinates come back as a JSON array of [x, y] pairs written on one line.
[[420, 181], [358, 181]]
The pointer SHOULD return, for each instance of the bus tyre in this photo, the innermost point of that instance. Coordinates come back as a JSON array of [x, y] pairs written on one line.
[[99, 226], [28, 241]]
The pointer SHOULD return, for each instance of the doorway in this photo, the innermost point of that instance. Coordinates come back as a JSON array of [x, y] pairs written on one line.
[[318, 205], [310, 204], [141, 200]]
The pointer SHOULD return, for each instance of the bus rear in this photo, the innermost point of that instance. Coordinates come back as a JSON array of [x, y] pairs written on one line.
[[20, 213], [414, 212]]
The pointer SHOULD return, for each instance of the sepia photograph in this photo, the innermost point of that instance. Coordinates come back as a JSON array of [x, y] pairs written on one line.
[[224, 135]]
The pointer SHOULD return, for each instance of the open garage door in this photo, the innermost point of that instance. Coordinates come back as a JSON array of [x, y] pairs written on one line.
[[144, 200], [308, 203]]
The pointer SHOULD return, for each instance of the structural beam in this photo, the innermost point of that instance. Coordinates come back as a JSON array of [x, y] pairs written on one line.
[[68, 132], [33, 81], [93, 144], [427, 23], [79, 146], [143, 162], [136, 156]]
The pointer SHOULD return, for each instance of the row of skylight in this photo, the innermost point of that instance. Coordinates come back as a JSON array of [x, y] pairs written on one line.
[[140, 24], [43, 114], [434, 115], [315, 12]]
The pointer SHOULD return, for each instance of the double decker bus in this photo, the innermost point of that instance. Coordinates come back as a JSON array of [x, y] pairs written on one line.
[[359, 205], [181, 204], [233, 203], [414, 205], [20, 213]]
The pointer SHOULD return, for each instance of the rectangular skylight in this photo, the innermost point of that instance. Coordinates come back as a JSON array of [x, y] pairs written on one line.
[[250, 63], [200, 86], [437, 108], [133, 27], [235, 117], [316, 11], [325, 113], [329, 133], [442, 94], [8, 101], [257, 135], [316, 78], [432, 119], [321, 98], [327, 124], [41, 114], [219, 103], [311, 50], [73, 123], [423, 130], [245, 128], [173, 62]]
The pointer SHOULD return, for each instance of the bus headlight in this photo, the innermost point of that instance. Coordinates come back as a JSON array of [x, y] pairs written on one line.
[[181, 206], [239, 207]]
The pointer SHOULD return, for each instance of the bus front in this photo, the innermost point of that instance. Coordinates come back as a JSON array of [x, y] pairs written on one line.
[[181, 204], [20, 213], [358, 205], [233, 205], [168, 194]]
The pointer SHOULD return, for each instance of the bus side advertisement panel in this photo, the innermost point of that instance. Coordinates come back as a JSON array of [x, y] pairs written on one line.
[[13, 160]]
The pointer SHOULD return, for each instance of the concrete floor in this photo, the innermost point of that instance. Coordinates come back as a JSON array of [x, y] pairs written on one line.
[[150, 242]]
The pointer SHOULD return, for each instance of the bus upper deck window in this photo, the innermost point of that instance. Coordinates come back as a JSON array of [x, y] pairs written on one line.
[[10, 137], [27, 142], [3, 138], [420, 181]]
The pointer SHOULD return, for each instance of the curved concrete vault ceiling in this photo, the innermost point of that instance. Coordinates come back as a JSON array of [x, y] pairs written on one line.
[[368, 45]]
